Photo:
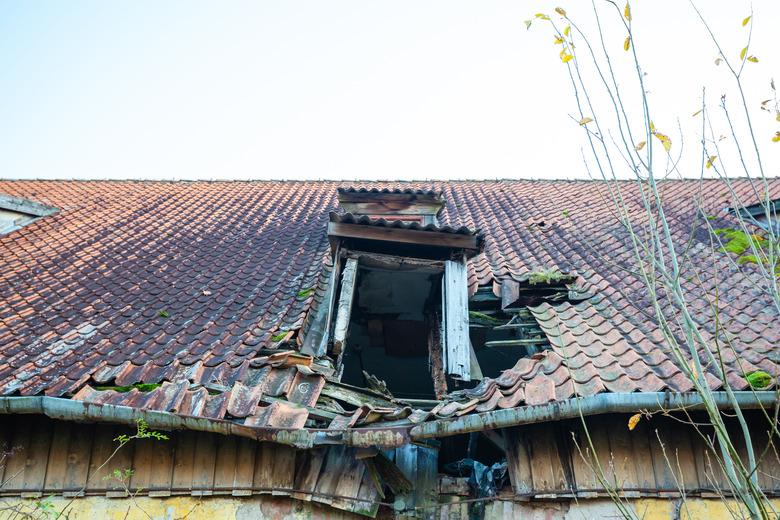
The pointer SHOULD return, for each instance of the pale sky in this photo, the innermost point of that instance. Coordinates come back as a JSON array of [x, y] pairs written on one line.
[[337, 89]]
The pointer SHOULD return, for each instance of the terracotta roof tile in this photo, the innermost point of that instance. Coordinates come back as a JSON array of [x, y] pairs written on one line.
[[158, 282]]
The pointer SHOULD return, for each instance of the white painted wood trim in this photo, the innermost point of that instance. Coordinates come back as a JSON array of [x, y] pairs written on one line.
[[345, 305], [455, 316]]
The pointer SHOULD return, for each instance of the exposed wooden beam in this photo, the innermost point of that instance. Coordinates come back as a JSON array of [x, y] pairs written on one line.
[[344, 309], [396, 263], [405, 236]]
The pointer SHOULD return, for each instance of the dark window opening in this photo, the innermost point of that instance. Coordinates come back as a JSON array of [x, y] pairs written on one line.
[[390, 323]]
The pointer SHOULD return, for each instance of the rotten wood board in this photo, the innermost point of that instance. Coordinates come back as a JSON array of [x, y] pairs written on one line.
[[356, 396], [457, 350], [344, 309], [436, 355]]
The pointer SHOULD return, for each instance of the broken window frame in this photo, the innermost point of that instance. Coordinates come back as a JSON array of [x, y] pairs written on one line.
[[449, 347]]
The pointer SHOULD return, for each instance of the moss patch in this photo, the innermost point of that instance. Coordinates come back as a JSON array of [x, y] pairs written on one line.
[[758, 380]]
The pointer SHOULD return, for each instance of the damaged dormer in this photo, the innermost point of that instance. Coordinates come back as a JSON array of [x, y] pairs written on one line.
[[503, 324], [396, 310], [392, 205]]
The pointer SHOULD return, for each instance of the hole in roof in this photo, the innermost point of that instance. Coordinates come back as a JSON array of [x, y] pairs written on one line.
[[16, 213]]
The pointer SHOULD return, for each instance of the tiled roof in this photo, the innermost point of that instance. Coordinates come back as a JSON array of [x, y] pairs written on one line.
[[172, 281]]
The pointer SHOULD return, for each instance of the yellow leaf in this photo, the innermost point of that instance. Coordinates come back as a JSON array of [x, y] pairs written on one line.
[[627, 43], [652, 127], [752, 59], [634, 420], [776, 138], [696, 113], [745, 21], [528, 24], [567, 30], [542, 16], [559, 40], [717, 62], [664, 141], [742, 53], [711, 160], [627, 12], [640, 145], [566, 58], [560, 11], [585, 120]]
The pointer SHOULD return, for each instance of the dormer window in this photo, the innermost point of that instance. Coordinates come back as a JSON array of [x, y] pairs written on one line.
[[761, 215], [398, 299], [16, 213]]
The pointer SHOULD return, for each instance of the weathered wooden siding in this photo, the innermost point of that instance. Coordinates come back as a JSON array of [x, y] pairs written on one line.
[[64, 458], [658, 458]]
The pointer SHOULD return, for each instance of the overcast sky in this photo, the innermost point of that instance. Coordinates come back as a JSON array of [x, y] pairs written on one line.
[[334, 89]]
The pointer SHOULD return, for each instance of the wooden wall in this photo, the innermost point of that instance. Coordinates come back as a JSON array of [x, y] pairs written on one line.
[[545, 460], [64, 458]]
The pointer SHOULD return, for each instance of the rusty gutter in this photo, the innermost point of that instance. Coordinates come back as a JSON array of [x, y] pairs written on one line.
[[80, 411], [592, 405]]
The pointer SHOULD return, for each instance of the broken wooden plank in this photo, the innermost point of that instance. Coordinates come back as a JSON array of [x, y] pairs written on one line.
[[436, 355], [516, 342], [355, 396], [457, 351], [316, 341], [344, 308], [392, 476]]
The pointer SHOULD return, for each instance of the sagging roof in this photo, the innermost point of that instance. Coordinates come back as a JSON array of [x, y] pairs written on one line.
[[196, 283]]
